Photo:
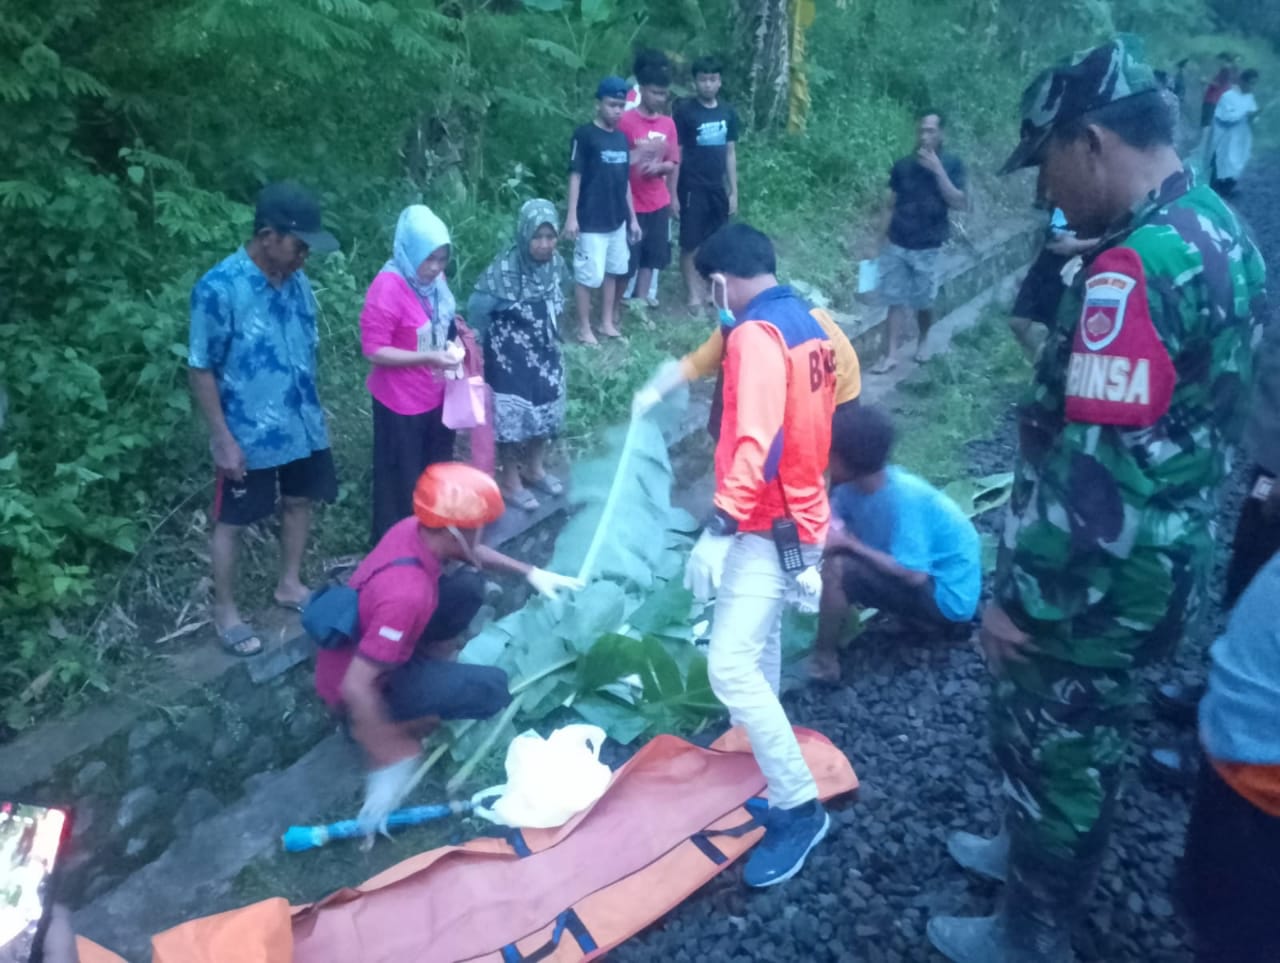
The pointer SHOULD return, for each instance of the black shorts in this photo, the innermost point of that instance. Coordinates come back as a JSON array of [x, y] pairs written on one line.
[[866, 586], [1042, 289], [424, 687], [703, 211], [253, 497], [654, 249]]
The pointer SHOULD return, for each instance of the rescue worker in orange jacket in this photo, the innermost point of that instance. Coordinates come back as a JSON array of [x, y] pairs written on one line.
[[764, 538]]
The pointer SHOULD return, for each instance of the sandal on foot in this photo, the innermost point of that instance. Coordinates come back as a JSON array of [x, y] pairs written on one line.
[[236, 640], [292, 605], [523, 499], [547, 484], [884, 366]]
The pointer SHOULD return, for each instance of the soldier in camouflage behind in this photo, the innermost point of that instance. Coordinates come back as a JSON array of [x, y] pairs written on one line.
[[1136, 403]]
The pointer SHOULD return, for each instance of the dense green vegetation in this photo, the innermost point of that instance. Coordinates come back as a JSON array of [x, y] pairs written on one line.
[[137, 132]]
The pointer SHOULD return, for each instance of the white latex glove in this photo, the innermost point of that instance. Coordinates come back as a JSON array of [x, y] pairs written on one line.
[[806, 594], [384, 790], [667, 377], [550, 585], [646, 399], [706, 565]]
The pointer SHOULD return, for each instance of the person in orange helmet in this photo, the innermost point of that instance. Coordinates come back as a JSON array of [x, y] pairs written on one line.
[[398, 680]]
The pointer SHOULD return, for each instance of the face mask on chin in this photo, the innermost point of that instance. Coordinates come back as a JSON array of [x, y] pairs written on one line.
[[722, 311]]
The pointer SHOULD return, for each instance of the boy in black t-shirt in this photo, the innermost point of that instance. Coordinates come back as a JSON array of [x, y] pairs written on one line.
[[601, 216], [707, 192]]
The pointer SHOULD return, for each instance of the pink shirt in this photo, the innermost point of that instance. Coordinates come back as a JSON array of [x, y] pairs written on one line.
[[395, 607], [392, 317], [653, 137]]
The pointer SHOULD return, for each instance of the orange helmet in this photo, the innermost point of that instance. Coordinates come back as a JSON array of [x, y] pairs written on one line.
[[452, 493]]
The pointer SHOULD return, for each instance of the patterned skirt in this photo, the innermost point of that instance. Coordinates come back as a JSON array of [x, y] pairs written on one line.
[[524, 367]]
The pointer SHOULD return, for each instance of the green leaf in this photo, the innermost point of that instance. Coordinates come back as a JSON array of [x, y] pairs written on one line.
[[596, 11], [487, 646], [612, 657], [596, 609], [975, 496], [137, 174], [620, 722], [546, 6], [556, 52], [668, 606]]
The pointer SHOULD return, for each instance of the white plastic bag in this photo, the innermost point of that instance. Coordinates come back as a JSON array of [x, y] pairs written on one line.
[[868, 281], [549, 781]]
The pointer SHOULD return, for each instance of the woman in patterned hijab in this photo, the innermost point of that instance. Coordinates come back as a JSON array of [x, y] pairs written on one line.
[[516, 308]]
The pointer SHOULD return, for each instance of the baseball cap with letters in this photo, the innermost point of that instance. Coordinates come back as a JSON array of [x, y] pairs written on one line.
[[292, 209], [1085, 82]]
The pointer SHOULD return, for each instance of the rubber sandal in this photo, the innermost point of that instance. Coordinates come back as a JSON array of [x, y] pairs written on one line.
[[233, 639], [548, 484], [524, 500], [884, 367], [293, 606]]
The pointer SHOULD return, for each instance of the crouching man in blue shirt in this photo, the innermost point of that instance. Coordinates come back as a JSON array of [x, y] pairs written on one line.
[[896, 544]]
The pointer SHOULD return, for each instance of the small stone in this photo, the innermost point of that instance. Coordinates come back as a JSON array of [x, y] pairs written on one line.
[[136, 805], [223, 746], [1135, 904], [1160, 906], [259, 755], [82, 823], [198, 806], [145, 734], [136, 845], [302, 725], [138, 770], [88, 776], [198, 727]]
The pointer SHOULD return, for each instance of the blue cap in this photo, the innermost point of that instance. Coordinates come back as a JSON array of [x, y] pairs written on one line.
[[612, 87]]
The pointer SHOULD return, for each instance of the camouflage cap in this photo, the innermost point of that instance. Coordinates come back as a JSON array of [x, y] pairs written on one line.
[[1082, 83]]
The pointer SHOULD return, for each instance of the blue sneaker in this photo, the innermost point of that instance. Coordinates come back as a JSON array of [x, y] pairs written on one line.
[[788, 837]]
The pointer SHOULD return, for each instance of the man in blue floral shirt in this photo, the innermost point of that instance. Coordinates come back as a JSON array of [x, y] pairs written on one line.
[[252, 369]]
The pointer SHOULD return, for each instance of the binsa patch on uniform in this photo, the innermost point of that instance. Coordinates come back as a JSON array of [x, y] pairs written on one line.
[[1120, 372], [1106, 296]]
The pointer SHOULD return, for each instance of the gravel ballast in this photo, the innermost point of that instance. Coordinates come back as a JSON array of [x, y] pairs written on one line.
[[911, 717]]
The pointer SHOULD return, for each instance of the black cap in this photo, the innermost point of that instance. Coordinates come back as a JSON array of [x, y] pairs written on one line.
[[292, 209], [1082, 83]]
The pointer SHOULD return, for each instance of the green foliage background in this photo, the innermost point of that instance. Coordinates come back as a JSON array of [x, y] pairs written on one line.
[[136, 133]]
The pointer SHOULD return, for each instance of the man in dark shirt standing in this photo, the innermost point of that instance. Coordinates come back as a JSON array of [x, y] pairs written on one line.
[[923, 189], [707, 192]]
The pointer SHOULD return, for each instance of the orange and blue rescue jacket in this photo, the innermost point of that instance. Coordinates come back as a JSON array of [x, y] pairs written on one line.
[[775, 432]]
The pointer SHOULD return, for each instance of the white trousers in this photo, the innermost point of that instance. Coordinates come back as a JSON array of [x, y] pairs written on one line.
[[745, 663]]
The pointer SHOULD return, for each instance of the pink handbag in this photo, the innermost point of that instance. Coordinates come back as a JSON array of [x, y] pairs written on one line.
[[464, 402]]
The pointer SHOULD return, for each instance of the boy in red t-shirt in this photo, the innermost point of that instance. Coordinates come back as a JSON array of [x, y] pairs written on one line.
[[655, 161]]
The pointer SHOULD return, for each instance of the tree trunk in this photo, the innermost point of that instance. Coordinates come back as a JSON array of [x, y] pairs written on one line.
[[762, 42]]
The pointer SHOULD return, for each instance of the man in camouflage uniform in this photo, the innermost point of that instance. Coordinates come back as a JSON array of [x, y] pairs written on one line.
[[1135, 405]]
